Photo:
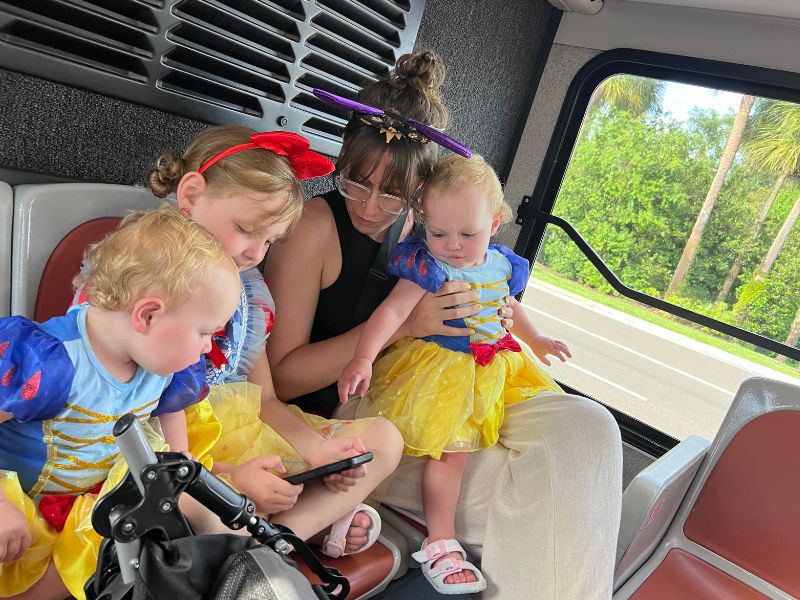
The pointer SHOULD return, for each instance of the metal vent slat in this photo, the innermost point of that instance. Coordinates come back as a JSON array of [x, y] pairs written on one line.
[[228, 74], [394, 12], [351, 35], [37, 37], [249, 62], [262, 15], [132, 12], [235, 27], [336, 72], [82, 23], [203, 89], [372, 22], [226, 48]]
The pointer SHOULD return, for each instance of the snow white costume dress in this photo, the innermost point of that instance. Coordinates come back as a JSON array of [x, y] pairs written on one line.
[[445, 393], [57, 451]]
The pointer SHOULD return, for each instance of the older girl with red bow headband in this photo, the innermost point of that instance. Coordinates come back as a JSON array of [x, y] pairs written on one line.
[[244, 188]]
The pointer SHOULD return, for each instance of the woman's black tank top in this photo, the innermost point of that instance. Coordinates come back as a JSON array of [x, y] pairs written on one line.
[[337, 303]]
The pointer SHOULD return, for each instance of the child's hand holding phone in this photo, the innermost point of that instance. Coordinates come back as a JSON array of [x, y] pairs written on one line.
[[336, 449]]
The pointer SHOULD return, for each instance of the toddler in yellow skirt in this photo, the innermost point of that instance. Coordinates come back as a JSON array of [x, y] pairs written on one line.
[[447, 394], [156, 289]]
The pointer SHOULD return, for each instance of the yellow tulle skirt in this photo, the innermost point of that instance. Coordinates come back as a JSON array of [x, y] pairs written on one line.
[[443, 401], [245, 436], [74, 550], [225, 427]]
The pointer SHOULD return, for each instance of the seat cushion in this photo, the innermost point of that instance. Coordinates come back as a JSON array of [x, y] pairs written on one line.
[[365, 570], [682, 575], [747, 511], [55, 286]]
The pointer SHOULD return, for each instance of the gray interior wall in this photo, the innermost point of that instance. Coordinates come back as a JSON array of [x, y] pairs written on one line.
[[562, 65], [489, 48]]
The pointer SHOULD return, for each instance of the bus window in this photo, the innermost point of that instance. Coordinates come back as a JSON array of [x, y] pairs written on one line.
[[690, 196]]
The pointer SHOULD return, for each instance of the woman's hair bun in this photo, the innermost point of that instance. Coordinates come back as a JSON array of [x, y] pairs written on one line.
[[422, 69]]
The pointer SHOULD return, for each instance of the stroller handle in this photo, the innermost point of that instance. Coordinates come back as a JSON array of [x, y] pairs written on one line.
[[134, 447]]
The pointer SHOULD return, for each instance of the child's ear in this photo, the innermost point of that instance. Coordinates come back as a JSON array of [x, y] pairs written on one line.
[[191, 186], [145, 312], [496, 223]]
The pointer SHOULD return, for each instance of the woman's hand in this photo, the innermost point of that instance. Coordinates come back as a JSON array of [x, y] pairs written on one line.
[[336, 449], [429, 314], [454, 300], [270, 493], [15, 535], [543, 345]]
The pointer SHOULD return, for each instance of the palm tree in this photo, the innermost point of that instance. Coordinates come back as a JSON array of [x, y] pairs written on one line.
[[731, 147], [794, 335], [771, 256], [771, 144], [637, 95]]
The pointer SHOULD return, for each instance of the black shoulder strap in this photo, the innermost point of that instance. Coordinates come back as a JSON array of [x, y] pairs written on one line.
[[378, 278]]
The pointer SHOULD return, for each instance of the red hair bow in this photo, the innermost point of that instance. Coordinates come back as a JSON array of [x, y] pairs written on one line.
[[306, 163]]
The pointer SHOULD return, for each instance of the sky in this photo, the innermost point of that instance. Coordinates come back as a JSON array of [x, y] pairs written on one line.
[[680, 98]]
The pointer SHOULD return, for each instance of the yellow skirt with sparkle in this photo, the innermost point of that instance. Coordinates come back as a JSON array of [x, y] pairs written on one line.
[[245, 436], [74, 549], [443, 401]]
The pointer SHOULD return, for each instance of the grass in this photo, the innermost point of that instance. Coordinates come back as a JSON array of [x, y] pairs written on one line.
[[656, 317]]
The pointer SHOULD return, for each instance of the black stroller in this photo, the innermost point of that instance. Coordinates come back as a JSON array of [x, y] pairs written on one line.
[[151, 553]]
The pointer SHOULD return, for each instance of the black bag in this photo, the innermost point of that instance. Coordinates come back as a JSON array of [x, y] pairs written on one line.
[[216, 567], [150, 553]]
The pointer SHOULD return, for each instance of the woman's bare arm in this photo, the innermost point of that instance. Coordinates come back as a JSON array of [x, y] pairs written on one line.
[[294, 272]]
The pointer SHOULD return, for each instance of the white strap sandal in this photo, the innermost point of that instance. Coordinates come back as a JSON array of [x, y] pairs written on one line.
[[334, 543], [430, 553]]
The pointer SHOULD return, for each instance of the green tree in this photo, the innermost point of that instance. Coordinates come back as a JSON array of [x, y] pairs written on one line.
[[771, 145], [631, 93], [693, 243], [627, 207]]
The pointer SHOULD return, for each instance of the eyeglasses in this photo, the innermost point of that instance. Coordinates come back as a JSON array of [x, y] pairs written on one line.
[[394, 205]]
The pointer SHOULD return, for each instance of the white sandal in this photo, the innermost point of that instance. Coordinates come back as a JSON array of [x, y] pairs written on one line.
[[334, 543], [430, 553]]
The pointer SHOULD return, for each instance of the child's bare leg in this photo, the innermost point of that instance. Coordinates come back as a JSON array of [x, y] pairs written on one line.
[[49, 587], [441, 486], [317, 508]]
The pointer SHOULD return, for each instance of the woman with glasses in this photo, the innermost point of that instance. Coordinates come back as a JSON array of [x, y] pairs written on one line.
[[540, 508]]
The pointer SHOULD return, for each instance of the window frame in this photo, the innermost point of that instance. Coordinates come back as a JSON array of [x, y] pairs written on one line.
[[535, 211]]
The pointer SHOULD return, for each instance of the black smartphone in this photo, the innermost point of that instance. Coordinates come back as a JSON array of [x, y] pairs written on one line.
[[334, 467]]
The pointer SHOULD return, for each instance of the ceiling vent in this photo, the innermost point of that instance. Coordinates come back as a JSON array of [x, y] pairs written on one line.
[[249, 62]]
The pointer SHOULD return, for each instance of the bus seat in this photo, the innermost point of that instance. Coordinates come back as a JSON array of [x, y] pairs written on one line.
[[650, 502], [6, 217], [371, 571], [736, 532], [410, 527], [54, 222]]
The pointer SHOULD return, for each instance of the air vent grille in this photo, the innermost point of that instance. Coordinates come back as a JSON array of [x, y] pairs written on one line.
[[252, 62]]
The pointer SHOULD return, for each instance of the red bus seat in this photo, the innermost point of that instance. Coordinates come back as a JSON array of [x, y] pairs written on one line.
[[737, 532]]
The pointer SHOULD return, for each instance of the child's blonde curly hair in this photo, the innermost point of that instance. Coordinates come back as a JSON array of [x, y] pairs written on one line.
[[455, 172], [158, 252]]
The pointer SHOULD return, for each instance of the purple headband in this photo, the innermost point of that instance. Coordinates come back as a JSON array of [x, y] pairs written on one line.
[[393, 126]]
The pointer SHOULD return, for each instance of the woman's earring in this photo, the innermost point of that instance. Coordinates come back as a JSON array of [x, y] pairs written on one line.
[[185, 212]]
